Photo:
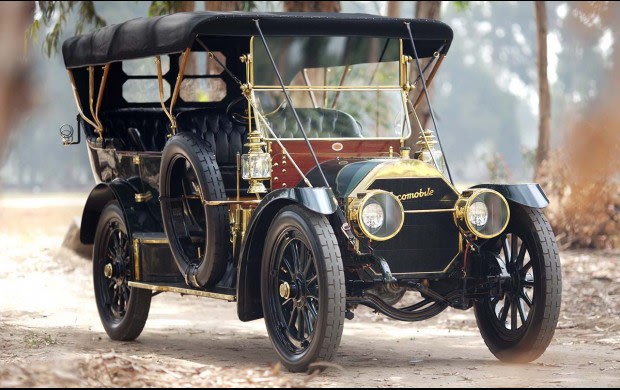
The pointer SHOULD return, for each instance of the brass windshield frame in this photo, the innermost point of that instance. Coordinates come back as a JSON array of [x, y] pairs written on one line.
[[404, 86]]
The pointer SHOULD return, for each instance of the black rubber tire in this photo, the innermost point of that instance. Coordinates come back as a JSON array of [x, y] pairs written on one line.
[[327, 262], [131, 323], [530, 341], [191, 148]]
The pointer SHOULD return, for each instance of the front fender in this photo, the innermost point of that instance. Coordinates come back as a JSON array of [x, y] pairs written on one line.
[[138, 216], [319, 200], [530, 195]]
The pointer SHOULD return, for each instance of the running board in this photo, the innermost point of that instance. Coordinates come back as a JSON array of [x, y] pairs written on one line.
[[184, 291]]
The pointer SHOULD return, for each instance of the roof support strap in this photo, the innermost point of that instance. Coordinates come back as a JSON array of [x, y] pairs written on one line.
[[76, 96], [91, 93], [160, 79]]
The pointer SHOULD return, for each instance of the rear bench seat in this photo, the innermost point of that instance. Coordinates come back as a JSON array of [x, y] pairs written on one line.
[[146, 129]]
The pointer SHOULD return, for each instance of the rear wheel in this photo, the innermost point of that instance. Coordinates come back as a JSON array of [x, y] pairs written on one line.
[[302, 289], [519, 325], [123, 310]]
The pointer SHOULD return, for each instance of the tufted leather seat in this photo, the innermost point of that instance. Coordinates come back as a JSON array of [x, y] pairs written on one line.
[[152, 124], [317, 122], [223, 137]]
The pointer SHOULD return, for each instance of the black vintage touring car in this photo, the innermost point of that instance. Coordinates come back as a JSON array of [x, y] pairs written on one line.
[[262, 158]]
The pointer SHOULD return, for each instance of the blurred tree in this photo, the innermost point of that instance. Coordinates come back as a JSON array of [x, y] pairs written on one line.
[[54, 14], [312, 6], [544, 96], [14, 89], [230, 5], [393, 9], [158, 8]]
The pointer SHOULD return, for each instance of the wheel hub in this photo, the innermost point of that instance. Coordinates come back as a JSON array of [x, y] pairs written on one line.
[[108, 271], [285, 290]]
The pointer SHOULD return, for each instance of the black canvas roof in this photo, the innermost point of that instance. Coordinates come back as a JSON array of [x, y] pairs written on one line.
[[144, 37]]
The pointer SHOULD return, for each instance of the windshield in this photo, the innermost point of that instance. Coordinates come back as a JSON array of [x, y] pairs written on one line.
[[342, 87]]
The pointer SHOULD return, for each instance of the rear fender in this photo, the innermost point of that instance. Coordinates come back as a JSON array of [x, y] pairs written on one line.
[[139, 216]]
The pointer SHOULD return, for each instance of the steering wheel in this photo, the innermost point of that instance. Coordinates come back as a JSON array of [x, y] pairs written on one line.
[[237, 111]]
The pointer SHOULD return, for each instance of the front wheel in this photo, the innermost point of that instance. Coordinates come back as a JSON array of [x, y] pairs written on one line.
[[302, 288], [123, 310], [519, 325]]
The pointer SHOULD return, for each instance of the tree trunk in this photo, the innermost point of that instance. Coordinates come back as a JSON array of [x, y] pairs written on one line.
[[224, 5], [393, 9], [544, 96], [14, 81], [184, 6], [423, 10], [312, 6]]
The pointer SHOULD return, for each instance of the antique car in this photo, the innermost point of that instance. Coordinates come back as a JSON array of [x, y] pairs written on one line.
[[277, 160]]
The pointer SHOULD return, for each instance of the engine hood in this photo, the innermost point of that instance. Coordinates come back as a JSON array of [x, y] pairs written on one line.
[[348, 177]]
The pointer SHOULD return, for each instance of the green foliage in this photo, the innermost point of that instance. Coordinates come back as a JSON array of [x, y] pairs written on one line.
[[461, 5], [159, 8], [54, 14]]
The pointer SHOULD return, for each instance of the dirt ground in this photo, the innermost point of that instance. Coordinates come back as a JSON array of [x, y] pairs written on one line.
[[50, 334]]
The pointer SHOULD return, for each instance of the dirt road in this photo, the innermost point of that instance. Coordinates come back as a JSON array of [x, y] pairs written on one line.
[[50, 332]]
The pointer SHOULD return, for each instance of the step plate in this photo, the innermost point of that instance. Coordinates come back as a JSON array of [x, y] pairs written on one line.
[[186, 291]]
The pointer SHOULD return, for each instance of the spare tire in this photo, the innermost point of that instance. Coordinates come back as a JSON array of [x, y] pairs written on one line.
[[198, 234]]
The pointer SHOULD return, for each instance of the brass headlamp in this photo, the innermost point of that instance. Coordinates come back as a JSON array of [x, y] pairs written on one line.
[[379, 215], [482, 212]]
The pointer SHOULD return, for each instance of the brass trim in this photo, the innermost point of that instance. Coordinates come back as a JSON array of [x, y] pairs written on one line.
[[460, 213], [355, 214], [400, 169], [177, 86], [91, 101], [338, 139], [430, 211], [227, 202], [160, 81], [401, 74], [160, 241], [144, 197], [108, 270], [136, 259], [238, 160], [335, 88], [285, 290], [76, 96], [136, 159], [104, 79], [185, 291], [304, 73]]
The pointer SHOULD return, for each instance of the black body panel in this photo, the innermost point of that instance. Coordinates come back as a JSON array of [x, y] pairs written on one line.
[[427, 243], [156, 263], [140, 216]]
